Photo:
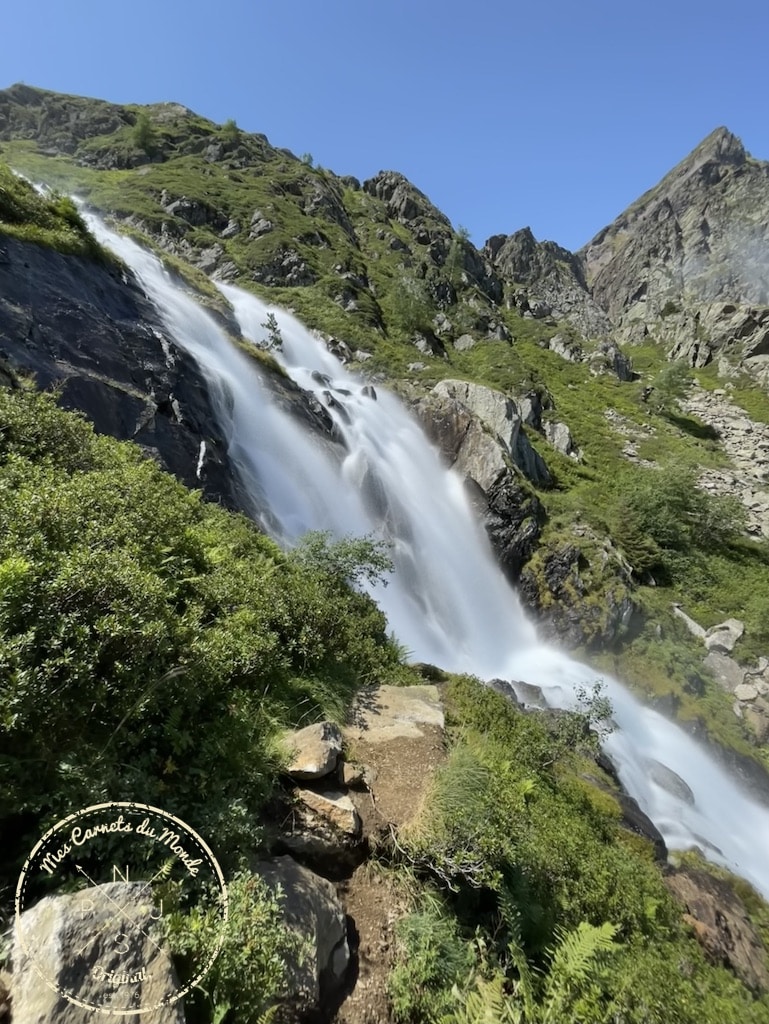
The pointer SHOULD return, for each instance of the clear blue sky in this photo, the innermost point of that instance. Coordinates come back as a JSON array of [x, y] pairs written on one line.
[[552, 114]]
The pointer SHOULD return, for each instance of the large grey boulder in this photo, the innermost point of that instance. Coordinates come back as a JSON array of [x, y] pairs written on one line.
[[80, 944], [312, 909], [726, 670], [559, 436], [724, 636], [315, 750], [500, 417], [495, 411]]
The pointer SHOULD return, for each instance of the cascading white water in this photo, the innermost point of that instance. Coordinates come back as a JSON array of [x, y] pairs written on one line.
[[448, 602]]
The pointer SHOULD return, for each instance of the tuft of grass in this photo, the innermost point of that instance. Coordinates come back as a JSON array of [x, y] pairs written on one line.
[[52, 221]]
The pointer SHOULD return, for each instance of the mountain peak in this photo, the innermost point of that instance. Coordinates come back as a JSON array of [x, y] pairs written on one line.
[[720, 145]]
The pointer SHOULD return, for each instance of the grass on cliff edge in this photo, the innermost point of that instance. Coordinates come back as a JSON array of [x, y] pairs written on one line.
[[52, 221]]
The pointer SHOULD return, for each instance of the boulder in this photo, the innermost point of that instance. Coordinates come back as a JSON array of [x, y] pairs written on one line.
[[395, 712], [465, 342], [506, 689], [259, 226], [559, 436], [356, 776], [566, 348], [312, 909], [499, 416], [723, 637], [669, 780], [726, 670], [232, 229], [323, 829], [316, 750], [756, 716], [510, 514], [497, 413], [78, 940], [608, 357], [333, 808], [746, 691]]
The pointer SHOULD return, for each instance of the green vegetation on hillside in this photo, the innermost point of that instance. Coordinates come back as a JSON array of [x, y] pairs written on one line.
[[377, 282], [153, 644], [52, 220], [535, 905]]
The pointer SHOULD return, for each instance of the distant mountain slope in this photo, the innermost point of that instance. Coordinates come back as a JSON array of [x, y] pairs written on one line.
[[690, 258]]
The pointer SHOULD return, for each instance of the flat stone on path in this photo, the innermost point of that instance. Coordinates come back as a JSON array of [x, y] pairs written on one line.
[[398, 732], [393, 712]]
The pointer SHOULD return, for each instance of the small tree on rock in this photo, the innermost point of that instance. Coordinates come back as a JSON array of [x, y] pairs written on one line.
[[274, 340]]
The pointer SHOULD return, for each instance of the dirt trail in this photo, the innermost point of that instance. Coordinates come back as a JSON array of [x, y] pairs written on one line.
[[397, 733]]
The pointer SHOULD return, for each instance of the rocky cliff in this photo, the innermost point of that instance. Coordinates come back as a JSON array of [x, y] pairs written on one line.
[[689, 260]]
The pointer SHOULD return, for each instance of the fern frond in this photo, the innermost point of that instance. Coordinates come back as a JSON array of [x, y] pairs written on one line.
[[487, 1003], [575, 960]]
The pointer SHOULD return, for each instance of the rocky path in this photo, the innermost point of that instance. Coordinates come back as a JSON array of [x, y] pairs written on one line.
[[397, 734]]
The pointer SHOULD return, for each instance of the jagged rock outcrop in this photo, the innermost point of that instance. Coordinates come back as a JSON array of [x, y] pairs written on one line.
[[721, 924], [406, 204], [698, 238], [502, 419], [551, 276], [478, 431], [90, 332]]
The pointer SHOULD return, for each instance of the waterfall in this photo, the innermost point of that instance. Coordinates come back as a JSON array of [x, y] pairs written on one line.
[[447, 601]]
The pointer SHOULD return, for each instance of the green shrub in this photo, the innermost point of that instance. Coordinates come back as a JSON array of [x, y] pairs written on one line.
[[152, 645], [250, 974], [144, 136], [432, 958]]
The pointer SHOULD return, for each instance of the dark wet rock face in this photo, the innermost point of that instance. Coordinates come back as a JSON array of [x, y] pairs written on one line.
[[90, 332]]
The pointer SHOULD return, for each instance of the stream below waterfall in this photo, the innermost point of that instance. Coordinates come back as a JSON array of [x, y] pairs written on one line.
[[447, 601]]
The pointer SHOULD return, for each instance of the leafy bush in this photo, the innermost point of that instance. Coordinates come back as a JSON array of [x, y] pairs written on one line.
[[152, 645], [432, 959], [655, 514], [249, 975]]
